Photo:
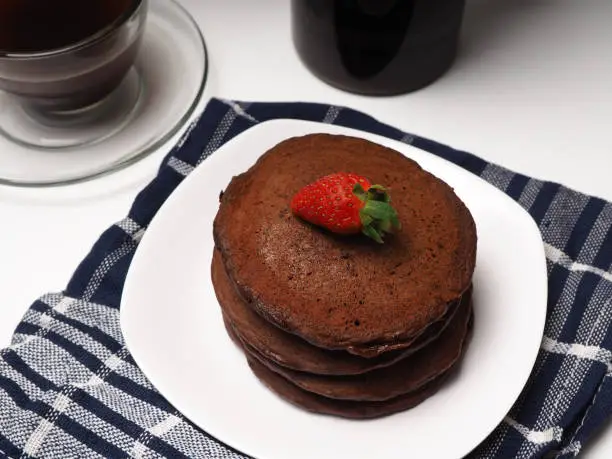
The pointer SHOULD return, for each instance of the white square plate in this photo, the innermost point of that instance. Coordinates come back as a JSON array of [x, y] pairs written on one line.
[[173, 326]]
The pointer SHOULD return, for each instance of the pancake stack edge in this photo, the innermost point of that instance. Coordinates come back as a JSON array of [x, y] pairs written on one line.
[[342, 325]]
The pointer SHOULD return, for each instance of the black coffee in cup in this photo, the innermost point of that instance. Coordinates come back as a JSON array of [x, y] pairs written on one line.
[[66, 55], [377, 46], [40, 25]]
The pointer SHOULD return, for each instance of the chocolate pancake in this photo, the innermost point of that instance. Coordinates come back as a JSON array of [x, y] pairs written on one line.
[[338, 292], [403, 377], [289, 350], [323, 405]]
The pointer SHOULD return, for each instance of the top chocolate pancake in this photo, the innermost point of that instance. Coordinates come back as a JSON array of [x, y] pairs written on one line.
[[341, 292], [289, 350]]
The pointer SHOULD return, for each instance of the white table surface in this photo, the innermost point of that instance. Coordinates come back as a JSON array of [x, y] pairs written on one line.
[[531, 90]]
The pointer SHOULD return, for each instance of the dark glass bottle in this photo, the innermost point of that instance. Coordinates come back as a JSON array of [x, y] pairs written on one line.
[[378, 47]]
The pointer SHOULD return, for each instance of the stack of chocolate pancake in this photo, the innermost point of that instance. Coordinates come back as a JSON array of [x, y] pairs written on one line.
[[337, 324]]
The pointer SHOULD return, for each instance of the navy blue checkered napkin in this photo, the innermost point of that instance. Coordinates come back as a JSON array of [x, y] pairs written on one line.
[[70, 389]]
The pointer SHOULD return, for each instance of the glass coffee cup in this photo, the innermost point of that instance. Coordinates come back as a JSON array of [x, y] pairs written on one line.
[[88, 88], [65, 64]]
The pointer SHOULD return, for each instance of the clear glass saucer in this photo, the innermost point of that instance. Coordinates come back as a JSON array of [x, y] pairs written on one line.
[[154, 101]]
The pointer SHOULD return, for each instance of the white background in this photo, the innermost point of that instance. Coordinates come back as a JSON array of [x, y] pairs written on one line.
[[531, 90]]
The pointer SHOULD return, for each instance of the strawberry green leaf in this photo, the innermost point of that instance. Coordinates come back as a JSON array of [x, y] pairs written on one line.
[[385, 226], [378, 216], [366, 220], [379, 210], [372, 233], [359, 192]]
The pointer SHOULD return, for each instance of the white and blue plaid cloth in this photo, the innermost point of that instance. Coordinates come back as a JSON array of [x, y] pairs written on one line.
[[70, 389]]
